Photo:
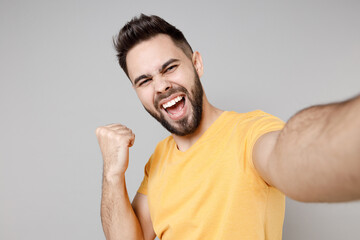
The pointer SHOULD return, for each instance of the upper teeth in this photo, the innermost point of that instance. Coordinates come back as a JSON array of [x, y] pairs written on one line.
[[172, 102]]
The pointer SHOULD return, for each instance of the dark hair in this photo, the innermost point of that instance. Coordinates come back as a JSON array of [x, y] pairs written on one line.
[[143, 28]]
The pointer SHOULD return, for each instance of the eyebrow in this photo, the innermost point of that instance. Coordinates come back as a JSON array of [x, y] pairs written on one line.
[[167, 63]]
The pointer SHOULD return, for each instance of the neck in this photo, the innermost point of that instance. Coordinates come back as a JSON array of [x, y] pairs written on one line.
[[209, 115]]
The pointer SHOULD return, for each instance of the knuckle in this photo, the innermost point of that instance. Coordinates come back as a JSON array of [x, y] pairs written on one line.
[[98, 131], [118, 137], [111, 134]]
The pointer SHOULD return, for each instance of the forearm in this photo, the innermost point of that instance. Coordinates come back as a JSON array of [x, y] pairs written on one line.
[[118, 218], [317, 154]]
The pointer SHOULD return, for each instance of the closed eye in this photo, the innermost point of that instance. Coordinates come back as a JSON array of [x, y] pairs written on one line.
[[144, 81], [171, 68]]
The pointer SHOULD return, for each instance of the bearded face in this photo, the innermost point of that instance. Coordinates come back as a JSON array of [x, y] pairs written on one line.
[[167, 82], [190, 122]]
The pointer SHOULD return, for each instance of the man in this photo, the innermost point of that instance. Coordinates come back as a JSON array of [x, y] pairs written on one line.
[[219, 175]]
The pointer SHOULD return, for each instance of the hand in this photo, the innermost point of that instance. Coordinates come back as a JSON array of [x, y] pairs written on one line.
[[114, 141]]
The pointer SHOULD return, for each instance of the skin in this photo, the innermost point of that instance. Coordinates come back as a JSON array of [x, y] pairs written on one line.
[[315, 158], [147, 58]]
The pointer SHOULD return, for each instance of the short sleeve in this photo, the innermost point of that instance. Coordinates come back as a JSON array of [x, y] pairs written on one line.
[[261, 124], [144, 184]]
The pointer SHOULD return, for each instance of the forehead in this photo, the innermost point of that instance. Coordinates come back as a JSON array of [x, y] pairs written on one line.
[[148, 56]]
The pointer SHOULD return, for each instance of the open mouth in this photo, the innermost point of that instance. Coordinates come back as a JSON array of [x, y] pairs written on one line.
[[174, 106]]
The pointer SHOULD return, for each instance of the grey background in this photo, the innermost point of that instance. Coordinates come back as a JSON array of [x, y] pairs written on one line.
[[60, 80]]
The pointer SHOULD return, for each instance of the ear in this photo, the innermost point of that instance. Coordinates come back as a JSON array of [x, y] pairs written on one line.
[[198, 64]]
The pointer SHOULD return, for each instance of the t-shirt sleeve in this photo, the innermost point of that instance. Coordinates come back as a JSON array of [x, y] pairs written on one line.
[[144, 184], [262, 124]]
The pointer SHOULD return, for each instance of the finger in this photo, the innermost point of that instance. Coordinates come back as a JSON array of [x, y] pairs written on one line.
[[120, 128], [99, 131], [124, 132], [132, 140]]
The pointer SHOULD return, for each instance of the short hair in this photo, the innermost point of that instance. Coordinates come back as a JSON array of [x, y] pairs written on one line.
[[143, 28]]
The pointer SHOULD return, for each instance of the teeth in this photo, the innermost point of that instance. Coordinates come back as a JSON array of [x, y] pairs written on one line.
[[172, 102]]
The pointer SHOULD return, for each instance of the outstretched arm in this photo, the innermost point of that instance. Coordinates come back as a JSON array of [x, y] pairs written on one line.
[[316, 157]]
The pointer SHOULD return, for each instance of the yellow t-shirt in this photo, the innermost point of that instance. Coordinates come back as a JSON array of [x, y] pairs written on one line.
[[212, 190]]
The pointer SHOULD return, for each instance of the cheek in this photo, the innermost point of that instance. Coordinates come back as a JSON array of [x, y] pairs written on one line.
[[184, 78]]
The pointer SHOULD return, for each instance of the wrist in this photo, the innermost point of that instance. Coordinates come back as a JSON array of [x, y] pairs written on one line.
[[114, 178]]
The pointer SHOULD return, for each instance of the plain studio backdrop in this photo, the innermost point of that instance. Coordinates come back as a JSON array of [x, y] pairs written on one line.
[[60, 80]]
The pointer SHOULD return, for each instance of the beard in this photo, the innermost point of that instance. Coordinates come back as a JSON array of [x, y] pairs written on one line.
[[188, 124]]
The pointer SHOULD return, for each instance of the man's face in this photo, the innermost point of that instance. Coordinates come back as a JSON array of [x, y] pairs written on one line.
[[167, 84]]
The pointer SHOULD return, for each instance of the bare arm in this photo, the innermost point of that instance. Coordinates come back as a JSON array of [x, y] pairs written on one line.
[[316, 157], [118, 217], [141, 209]]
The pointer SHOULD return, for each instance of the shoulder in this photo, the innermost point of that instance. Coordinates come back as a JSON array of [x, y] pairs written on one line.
[[262, 130], [255, 123], [252, 115], [162, 148], [165, 143]]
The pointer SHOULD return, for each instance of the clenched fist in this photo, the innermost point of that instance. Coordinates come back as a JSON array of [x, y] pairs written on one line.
[[114, 141]]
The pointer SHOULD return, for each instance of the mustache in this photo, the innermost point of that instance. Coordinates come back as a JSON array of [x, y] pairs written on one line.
[[168, 93]]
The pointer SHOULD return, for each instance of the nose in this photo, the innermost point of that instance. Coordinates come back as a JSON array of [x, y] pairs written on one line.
[[162, 85]]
